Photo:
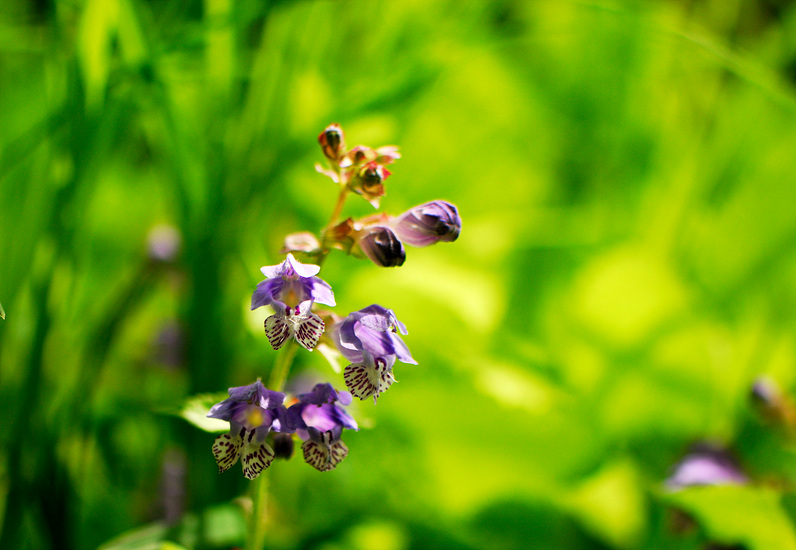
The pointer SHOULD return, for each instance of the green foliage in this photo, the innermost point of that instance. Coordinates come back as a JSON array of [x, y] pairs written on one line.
[[626, 268]]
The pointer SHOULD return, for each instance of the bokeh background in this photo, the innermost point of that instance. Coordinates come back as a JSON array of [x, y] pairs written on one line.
[[626, 270]]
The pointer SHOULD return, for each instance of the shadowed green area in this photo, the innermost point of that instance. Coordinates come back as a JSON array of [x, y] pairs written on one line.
[[626, 176]]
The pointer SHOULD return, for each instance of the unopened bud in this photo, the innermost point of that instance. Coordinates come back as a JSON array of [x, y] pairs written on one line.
[[382, 246], [429, 223], [303, 241], [332, 142], [283, 445]]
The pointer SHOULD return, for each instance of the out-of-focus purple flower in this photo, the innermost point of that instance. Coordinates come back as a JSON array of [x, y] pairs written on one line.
[[773, 403], [290, 289], [319, 420], [164, 243], [706, 465], [252, 412], [381, 245], [429, 223], [369, 339]]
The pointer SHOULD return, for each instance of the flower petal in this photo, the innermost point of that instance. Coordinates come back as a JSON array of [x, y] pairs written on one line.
[[300, 269], [277, 329], [364, 380], [226, 450], [257, 456], [308, 330], [322, 456], [361, 381], [266, 293]]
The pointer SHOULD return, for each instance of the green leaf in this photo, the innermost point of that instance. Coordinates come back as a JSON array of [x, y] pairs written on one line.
[[737, 514], [195, 410], [146, 537], [2, 312]]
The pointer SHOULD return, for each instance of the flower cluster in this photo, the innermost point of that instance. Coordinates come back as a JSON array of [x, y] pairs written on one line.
[[380, 237], [370, 338], [254, 411]]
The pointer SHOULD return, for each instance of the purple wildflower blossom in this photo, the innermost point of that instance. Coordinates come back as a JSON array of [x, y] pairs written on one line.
[[290, 289], [320, 421], [429, 223], [368, 338], [252, 412], [706, 464]]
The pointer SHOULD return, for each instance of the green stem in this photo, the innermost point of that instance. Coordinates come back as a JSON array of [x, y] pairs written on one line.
[[259, 519], [258, 522], [338, 208], [282, 367]]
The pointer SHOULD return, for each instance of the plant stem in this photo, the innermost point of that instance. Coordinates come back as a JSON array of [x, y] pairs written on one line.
[[338, 208], [259, 489], [259, 519], [282, 367]]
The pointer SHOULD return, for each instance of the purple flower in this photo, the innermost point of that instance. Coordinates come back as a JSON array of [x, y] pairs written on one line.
[[252, 412], [368, 338], [290, 289], [429, 223], [381, 245], [706, 465], [320, 421]]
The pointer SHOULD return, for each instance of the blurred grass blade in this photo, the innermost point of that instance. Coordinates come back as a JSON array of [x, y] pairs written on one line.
[[195, 410], [2, 312]]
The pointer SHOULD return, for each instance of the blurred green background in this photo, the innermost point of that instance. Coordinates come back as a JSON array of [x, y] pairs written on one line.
[[626, 175]]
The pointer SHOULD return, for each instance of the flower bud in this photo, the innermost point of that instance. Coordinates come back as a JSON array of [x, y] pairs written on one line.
[[332, 142], [428, 224], [303, 241], [368, 181], [283, 446], [382, 246]]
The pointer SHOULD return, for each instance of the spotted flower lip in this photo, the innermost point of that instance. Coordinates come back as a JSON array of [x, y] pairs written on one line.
[[429, 223], [320, 421], [372, 330], [290, 284]]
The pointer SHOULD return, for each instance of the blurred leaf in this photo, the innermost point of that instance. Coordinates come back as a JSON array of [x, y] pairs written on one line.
[[147, 537], [2, 312], [611, 504], [224, 526], [195, 410], [739, 514]]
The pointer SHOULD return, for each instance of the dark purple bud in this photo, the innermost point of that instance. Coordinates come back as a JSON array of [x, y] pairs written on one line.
[[283, 446], [382, 246], [429, 223]]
